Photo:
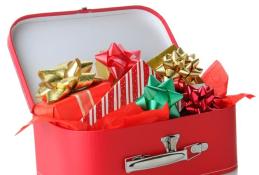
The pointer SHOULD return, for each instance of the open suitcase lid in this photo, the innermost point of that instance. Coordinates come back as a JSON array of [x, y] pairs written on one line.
[[45, 40]]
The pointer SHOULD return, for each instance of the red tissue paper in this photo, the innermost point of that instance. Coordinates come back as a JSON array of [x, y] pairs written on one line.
[[131, 115]]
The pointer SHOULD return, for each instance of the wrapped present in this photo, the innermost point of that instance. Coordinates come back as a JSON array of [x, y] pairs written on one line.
[[175, 63], [106, 98], [200, 93], [97, 101], [157, 103], [116, 61], [125, 91], [71, 111], [81, 102], [64, 79], [94, 102], [59, 86]]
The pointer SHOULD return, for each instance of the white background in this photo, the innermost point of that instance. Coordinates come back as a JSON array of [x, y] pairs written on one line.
[[223, 30]]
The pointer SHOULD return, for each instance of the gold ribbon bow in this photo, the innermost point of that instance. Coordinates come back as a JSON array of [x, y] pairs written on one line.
[[175, 63], [64, 79]]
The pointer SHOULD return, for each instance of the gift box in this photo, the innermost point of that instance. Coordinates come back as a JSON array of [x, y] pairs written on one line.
[[198, 144], [81, 103], [96, 101]]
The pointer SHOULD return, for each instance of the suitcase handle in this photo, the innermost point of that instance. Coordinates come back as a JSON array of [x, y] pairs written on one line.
[[144, 162]]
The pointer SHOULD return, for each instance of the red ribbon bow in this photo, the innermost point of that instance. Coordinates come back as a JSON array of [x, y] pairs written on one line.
[[118, 60], [198, 99], [210, 96]]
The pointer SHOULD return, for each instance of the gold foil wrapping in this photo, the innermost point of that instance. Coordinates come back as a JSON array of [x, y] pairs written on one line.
[[175, 63], [66, 78]]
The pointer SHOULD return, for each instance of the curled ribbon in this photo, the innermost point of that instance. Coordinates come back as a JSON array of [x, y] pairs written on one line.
[[175, 63], [64, 79], [116, 61], [157, 94]]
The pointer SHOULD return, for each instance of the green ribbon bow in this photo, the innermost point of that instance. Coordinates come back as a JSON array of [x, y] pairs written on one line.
[[157, 94]]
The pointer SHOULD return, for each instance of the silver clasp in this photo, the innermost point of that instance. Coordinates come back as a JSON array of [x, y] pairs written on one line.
[[144, 162]]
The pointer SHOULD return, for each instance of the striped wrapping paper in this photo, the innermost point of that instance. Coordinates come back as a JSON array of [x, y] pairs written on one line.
[[126, 90]]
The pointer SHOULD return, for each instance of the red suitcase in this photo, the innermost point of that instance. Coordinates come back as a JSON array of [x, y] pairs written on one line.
[[198, 144]]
